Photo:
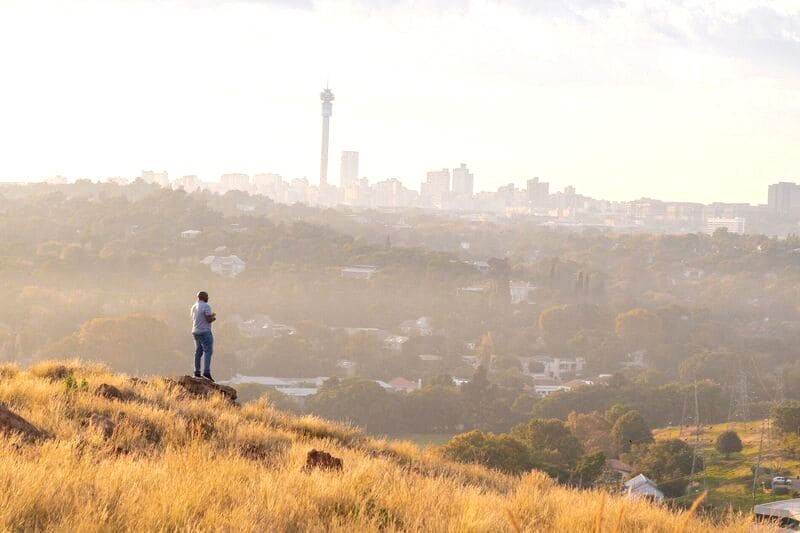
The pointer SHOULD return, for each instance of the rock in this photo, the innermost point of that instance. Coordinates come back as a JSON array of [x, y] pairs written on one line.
[[113, 393], [203, 388], [11, 423], [57, 373], [103, 424], [322, 460]]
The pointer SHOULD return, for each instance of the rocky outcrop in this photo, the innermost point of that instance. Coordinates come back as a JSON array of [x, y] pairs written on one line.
[[103, 424], [322, 460], [203, 388], [11, 424], [113, 393]]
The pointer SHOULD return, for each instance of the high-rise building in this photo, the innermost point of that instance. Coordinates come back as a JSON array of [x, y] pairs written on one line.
[[463, 181], [188, 183], [784, 199], [437, 183], [538, 191], [348, 174], [160, 178], [327, 110], [235, 181]]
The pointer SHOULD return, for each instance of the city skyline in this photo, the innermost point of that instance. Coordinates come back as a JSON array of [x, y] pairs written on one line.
[[677, 109]]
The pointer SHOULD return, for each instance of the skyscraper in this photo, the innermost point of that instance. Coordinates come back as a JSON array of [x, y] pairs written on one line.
[[538, 191], [784, 198], [437, 183], [348, 175], [462, 181], [327, 110]]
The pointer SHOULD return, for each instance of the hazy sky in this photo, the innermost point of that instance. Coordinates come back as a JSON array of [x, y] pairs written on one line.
[[676, 99]]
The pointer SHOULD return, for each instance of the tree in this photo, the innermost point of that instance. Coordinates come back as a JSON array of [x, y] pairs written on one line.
[[616, 411], [361, 347], [713, 365], [551, 444], [630, 429], [501, 452], [558, 325], [589, 468], [787, 417], [728, 442], [485, 350], [667, 462], [432, 409], [591, 430], [130, 343], [360, 401], [639, 328]]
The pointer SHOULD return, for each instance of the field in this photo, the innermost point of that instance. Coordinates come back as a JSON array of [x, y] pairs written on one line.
[[730, 481], [178, 462]]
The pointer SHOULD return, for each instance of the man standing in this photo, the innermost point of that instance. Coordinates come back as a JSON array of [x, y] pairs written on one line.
[[202, 317]]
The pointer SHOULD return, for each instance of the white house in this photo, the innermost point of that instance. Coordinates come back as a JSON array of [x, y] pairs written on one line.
[[359, 272], [230, 266], [641, 487], [521, 292], [481, 266], [190, 234], [558, 368], [546, 390], [420, 327], [263, 326], [394, 343]]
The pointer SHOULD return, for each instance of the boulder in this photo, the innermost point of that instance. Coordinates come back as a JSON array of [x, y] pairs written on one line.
[[322, 460], [113, 393], [12, 423], [203, 388], [103, 424]]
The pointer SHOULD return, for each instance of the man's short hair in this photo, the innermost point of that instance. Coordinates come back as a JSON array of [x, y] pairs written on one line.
[[202, 295]]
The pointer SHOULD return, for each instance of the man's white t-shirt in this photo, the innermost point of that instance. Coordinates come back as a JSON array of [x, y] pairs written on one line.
[[200, 311]]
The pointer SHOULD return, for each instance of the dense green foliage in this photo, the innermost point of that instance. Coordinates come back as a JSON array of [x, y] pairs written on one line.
[[728, 442]]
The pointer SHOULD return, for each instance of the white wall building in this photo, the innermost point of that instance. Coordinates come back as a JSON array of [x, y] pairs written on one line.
[[733, 225], [521, 292], [230, 266]]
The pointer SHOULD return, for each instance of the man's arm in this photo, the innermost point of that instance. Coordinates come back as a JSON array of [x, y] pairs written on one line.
[[211, 318]]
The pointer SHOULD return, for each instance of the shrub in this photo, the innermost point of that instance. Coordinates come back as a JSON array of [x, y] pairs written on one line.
[[728, 442]]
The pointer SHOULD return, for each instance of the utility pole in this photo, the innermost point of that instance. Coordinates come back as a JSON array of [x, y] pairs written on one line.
[[696, 431], [758, 461]]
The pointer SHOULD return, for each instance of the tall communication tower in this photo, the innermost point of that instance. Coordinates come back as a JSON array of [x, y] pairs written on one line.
[[327, 110]]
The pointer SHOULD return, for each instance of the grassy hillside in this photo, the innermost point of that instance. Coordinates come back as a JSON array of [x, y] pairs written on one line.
[[730, 480], [178, 462]]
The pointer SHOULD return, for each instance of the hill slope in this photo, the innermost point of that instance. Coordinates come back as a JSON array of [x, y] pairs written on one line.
[[729, 480], [173, 461]]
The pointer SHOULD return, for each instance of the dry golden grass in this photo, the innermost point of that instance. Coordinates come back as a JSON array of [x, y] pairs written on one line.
[[177, 463]]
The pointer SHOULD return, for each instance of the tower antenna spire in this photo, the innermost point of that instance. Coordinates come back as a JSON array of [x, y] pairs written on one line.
[[327, 110]]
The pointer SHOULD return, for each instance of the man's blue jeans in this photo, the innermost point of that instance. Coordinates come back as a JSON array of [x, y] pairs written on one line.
[[205, 345]]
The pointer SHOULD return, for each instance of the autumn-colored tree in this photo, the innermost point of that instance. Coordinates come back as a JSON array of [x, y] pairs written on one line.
[[558, 326], [486, 350], [593, 431], [639, 328]]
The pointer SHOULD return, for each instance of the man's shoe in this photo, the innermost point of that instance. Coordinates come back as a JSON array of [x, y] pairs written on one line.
[[208, 377], [197, 373]]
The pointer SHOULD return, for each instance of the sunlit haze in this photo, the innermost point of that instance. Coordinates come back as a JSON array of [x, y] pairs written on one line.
[[678, 100]]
